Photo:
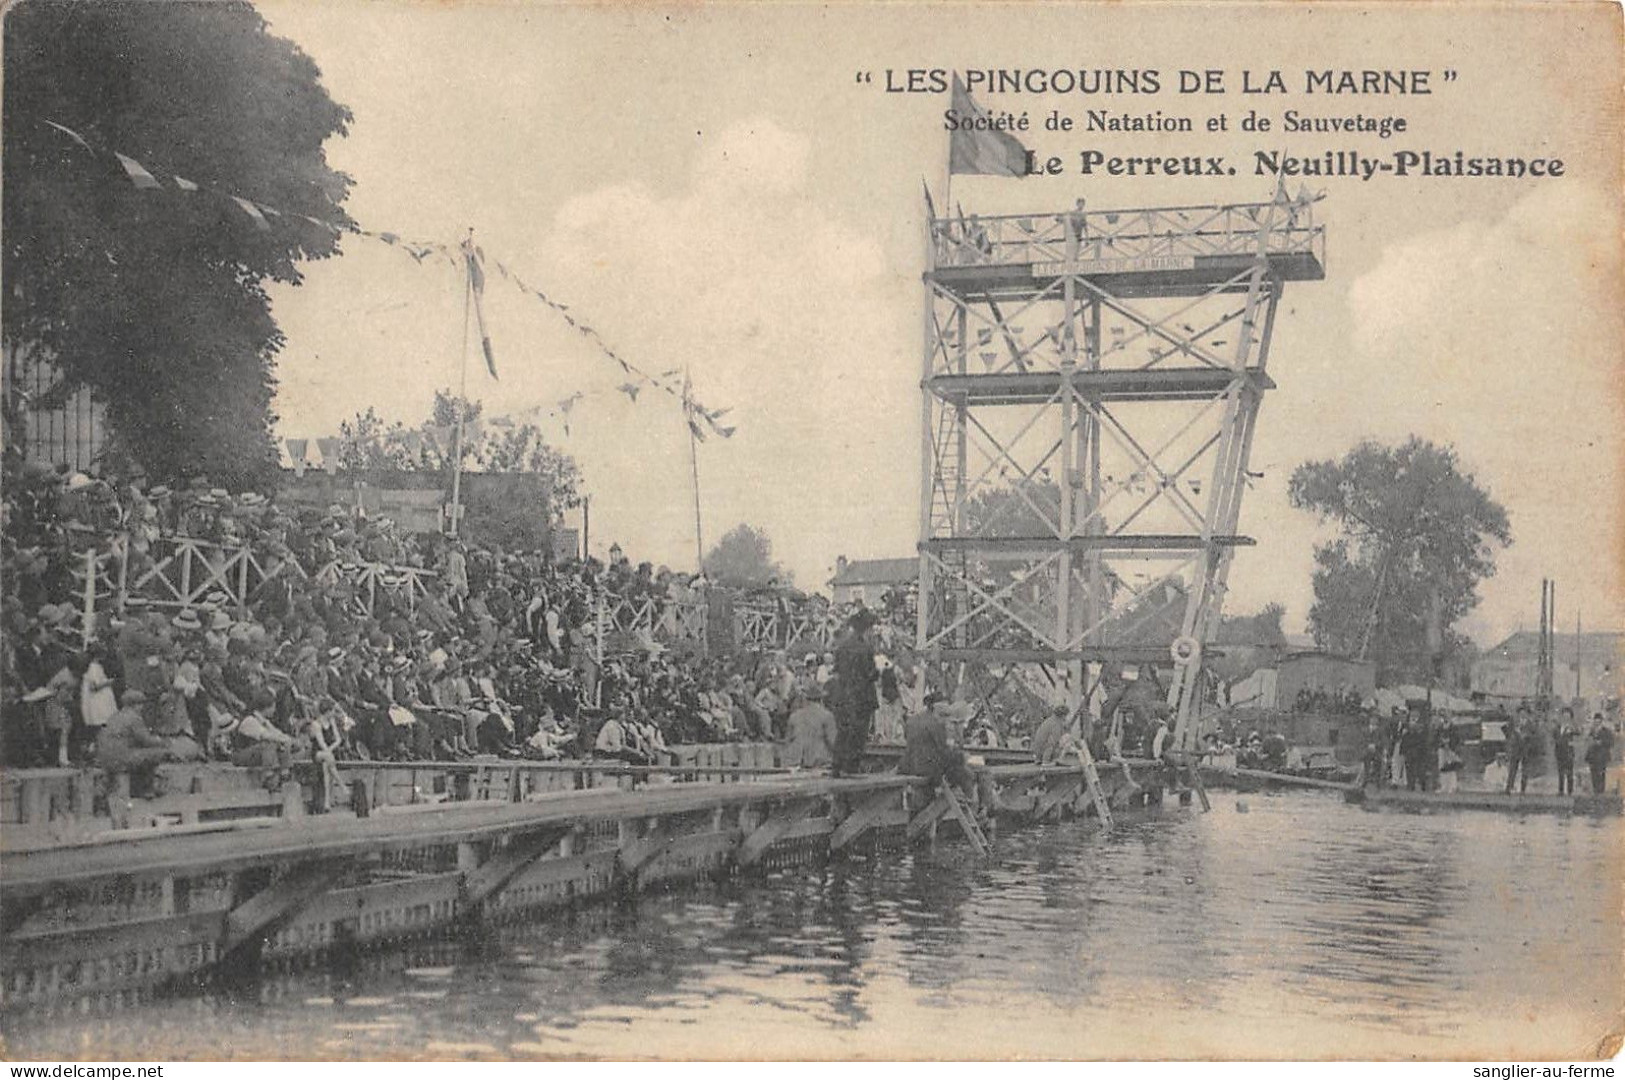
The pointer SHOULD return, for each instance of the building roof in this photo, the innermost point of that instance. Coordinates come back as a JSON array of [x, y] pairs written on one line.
[[1604, 646], [877, 572]]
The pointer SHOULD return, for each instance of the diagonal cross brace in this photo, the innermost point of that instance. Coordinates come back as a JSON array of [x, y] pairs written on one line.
[[279, 902], [487, 879], [771, 831]]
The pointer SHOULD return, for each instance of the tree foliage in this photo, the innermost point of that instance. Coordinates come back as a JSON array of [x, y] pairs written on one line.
[[1246, 643], [156, 300], [524, 485], [1416, 536], [1010, 510], [744, 558]]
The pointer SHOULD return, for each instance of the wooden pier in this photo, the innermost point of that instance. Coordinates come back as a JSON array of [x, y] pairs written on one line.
[[110, 915], [1515, 803]]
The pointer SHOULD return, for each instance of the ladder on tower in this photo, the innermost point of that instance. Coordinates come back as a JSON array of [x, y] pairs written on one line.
[[1193, 766], [1091, 780], [962, 814]]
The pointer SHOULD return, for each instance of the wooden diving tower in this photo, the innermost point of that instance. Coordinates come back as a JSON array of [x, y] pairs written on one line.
[[1090, 385]]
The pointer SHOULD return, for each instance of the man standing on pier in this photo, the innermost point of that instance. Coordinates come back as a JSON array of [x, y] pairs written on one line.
[[1563, 750], [851, 693], [1517, 736], [1599, 750]]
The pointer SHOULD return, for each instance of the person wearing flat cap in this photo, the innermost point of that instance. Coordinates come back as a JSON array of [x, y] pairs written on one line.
[[933, 752], [851, 693], [126, 745], [928, 750]]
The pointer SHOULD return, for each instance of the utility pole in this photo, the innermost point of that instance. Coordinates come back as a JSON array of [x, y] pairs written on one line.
[[1577, 653]]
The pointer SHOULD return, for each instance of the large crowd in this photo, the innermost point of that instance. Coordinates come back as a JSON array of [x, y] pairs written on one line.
[[490, 656]]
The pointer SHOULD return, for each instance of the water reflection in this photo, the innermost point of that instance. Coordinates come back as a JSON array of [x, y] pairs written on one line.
[[1304, 927]]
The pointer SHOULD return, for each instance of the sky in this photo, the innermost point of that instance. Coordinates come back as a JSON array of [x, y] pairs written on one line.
[[714, 188]]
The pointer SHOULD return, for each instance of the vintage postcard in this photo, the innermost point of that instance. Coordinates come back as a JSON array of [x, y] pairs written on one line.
[[812, 531]]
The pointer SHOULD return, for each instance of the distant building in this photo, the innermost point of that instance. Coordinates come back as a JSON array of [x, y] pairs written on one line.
[[865, 581], [53, 427], [1509, 669]]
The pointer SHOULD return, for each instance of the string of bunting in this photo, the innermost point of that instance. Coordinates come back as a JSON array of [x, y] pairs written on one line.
[[468, 257]]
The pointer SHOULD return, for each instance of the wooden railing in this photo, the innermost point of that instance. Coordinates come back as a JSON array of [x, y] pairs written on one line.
[[1152, 233], [372, 580], [627, 623]]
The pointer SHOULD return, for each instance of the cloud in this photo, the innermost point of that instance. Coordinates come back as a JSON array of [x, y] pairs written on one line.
[[781, 311], [1486, 335], [754, 158]]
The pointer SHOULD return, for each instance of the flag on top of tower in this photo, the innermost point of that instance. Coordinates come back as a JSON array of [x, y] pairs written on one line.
[[974, 147]]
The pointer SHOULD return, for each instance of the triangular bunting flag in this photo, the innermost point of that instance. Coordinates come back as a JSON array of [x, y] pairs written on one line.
[[72, 134], [253, 212], [138, 175], [330, 453], [630, 389], [184, 184]]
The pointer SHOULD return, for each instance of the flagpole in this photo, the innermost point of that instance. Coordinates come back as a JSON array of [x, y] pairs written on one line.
[[948, 171], [694, 467], [462, 399]]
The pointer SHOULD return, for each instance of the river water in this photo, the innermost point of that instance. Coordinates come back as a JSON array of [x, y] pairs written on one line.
[[1286, 925]]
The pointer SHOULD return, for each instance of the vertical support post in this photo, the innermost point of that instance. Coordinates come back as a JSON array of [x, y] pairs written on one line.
[[1069, 461], [924, 596], [87, 615], [121, 551], [1089, 674]]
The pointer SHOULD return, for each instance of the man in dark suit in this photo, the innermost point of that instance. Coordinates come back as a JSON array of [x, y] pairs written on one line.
[[932, 750], [851, 694], [928, 751]]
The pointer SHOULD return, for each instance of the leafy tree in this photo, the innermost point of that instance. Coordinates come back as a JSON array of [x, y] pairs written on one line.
[[1003, 512], [1248, 642], [516, 487], [744, 558], [367, 442], [156, 300], [1417, 535]]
